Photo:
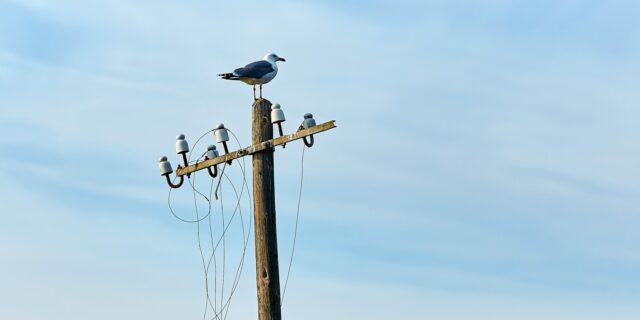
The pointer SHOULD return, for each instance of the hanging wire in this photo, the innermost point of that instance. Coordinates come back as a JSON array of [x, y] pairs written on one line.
[[224, 306], [245, 240], [221, 311], [226, 225], [198, 141], [213, 256], [234, 285], [215, 272], [295, 232], [206, 275], [196, 190], [198, 219], [238, 209], [176, 215], [223, 236], [224, 254]]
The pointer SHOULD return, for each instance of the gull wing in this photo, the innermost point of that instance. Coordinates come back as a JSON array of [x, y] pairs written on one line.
[[254, 70]]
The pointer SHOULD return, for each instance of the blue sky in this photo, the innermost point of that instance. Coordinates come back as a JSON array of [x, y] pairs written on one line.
[[485, 163]]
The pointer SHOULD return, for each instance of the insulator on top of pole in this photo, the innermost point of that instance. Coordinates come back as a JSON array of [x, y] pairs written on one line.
[[277, 117]]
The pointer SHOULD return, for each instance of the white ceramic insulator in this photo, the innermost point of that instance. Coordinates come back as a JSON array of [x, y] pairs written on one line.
[[277, 115], [308, 121], [212, 152], [221, 135], [165, 166], [181, 145]]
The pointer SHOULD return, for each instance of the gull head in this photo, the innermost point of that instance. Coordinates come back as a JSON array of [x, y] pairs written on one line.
[[273, 58]]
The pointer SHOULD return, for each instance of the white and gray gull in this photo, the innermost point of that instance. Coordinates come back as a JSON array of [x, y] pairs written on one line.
[[256, 73]]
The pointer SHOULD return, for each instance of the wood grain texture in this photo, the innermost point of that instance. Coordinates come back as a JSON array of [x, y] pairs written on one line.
[[264, 212]]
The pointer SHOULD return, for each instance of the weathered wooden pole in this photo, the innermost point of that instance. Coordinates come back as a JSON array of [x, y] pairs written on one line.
[[264, 212]]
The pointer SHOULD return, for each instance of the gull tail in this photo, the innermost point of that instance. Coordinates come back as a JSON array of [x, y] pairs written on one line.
[[228, 76]]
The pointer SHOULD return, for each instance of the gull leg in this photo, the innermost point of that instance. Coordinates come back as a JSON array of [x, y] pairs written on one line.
[[260, 91], [254, 92]]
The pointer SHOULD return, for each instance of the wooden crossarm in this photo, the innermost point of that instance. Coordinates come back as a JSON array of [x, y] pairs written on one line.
[[256, 148]]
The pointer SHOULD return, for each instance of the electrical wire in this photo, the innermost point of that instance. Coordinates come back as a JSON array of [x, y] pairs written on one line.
[[196, 190], [224, 306], [204, 265], [220, 307], [176, 215], [245, 243], [245, 240], [195, 201], [295, 231], [213, 257], [198, 220]]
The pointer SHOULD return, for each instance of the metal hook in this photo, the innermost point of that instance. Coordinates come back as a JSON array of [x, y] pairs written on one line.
[[165, 170], [226, 150], [281, 133], [280, 128], [307, 143], [215, 171], [186, 162], [174, 186], [184, 159], [210, 154]]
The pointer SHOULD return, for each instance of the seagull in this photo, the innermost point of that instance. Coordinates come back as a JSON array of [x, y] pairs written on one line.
[[256, 73]]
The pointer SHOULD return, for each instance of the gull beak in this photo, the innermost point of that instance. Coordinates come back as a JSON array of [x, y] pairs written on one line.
[[281, 59]]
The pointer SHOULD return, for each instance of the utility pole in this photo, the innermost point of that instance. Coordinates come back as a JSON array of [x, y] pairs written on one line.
[[264, 213], [264, 204]]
